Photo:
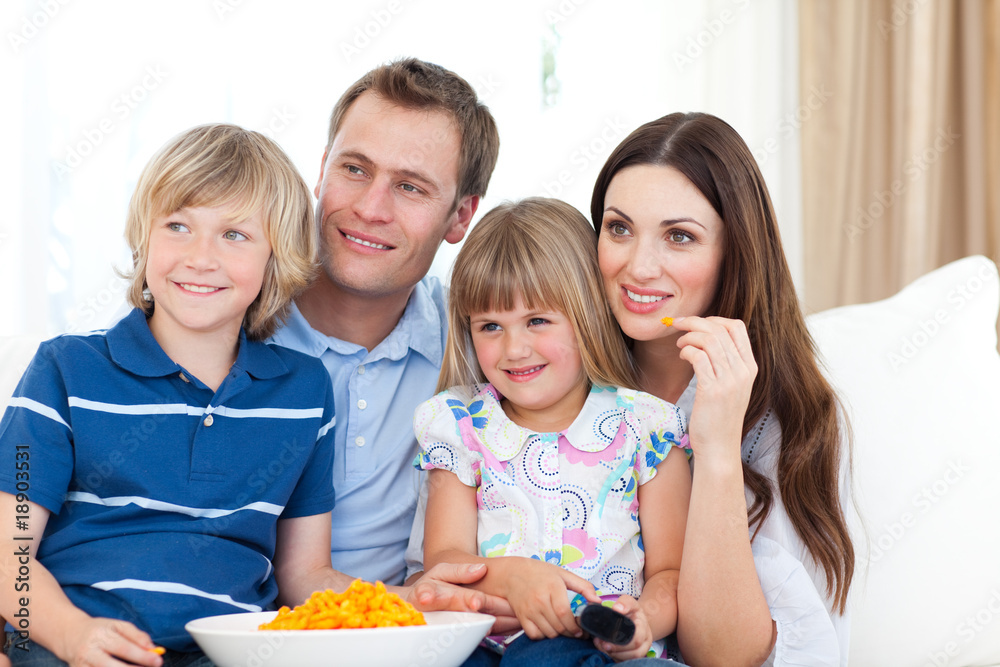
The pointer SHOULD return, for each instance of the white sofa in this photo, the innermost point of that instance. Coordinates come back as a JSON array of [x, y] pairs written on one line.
[[920, 375]]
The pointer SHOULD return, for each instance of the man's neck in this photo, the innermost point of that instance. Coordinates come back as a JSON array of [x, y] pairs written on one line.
[[356, 318]]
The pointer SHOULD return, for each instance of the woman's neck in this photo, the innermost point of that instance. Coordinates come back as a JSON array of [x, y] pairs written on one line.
[[664, 374]]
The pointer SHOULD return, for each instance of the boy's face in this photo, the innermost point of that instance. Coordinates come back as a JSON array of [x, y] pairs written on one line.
[[387, 197], [204, 270]]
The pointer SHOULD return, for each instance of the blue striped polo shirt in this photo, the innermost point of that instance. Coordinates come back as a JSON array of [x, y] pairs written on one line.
[[164, 494]]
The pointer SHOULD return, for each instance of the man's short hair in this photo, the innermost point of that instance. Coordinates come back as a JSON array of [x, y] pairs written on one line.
[[416, 84]]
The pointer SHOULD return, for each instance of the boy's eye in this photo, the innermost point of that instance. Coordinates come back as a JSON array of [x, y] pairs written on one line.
[[176, 227], [233, 235]]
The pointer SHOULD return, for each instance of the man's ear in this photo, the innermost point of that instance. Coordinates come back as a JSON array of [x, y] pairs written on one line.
[[322, 171], [461, 219]]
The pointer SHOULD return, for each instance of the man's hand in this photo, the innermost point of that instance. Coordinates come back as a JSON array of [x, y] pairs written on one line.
[[441, 589]]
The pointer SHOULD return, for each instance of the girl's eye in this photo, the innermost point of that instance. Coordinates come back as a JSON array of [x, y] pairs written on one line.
[[233, 235], [537, 321], [490, 326]]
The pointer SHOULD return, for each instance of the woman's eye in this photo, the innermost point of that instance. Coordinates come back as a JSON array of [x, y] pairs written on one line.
[[616, 228], [677, 236], [233, 235]]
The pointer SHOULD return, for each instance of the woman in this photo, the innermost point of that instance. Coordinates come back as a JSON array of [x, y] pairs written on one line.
[[686, 230]]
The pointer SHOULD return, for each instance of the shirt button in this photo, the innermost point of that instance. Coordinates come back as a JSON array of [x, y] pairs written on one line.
[[360, 441], [209, 420], [361, 370], [362, 404]]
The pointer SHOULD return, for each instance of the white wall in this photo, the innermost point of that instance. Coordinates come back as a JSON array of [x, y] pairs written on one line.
[[92, 89]]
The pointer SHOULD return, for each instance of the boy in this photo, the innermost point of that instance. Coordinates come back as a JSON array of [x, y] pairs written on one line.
[[175, 466]]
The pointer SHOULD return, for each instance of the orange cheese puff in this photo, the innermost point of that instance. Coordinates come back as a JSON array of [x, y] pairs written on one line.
[[362, 605]]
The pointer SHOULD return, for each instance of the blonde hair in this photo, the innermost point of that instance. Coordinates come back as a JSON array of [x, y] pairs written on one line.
[[217, 165], [541, 250]]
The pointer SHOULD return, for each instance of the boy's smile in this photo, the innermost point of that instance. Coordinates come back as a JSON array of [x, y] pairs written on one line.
[[204, 269]]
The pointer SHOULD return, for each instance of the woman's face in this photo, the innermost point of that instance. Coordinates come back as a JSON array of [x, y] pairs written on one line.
[[660, 249]]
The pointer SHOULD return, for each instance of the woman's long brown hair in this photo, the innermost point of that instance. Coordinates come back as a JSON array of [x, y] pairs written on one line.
[[755, 286]]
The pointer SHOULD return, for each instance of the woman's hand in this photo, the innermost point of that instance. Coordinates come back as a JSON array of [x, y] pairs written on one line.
[[103, 642], [719, 351], [641, 641], [537, 592]]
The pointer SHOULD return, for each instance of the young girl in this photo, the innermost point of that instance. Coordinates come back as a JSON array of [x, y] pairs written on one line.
[[550, 466]]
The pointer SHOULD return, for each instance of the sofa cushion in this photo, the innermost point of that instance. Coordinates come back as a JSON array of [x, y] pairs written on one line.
[[920, 376]]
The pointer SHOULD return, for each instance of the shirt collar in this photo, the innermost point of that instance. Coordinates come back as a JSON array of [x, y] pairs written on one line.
[[421, 328], [505, 438], [133, 347]]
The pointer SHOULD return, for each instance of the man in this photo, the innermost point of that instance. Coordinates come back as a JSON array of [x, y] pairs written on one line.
[[409, 155]]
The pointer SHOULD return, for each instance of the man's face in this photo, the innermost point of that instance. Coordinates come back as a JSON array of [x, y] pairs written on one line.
[[387, 197]]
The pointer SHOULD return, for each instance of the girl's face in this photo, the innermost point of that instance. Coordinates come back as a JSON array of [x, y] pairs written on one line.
[[532, 358], [660, 249]]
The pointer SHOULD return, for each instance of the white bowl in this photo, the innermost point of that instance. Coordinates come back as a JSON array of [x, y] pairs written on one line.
[[233, 640]]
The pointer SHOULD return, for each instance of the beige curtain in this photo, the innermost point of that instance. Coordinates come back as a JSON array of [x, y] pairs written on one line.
[[901, 153]]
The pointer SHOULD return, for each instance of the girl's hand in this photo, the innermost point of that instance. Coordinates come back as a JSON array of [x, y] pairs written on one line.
[[641, 641], [537, 592], [719, 351], [103, 642]]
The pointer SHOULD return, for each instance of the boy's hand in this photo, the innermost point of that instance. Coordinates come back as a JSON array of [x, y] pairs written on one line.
[[538, 595], [104, 642], [643, 639]]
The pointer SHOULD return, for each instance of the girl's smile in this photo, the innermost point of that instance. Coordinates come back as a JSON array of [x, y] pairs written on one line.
[[531, 356]]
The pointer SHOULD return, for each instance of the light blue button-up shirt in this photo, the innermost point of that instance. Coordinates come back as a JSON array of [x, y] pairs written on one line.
[[375, 395]]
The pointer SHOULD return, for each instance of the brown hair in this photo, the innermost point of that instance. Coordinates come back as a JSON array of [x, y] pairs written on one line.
[[220, 164], [543, 251], [416, 84], [755, 286]]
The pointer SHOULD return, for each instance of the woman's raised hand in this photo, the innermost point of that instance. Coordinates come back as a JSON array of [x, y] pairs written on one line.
[[719, 351]]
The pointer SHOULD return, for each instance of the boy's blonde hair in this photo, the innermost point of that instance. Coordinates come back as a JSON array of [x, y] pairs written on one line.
[[221, 164], [543, 251]]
